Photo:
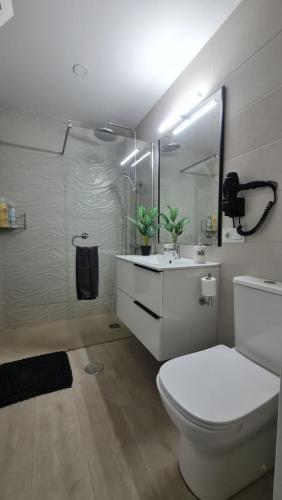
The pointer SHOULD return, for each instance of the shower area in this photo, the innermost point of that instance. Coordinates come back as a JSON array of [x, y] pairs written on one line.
[[87, 189]]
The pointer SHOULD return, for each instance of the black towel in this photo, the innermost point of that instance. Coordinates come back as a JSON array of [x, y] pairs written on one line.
[[87, 273]]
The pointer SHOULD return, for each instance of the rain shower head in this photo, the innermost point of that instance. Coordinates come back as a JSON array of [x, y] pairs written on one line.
[[134, 189], [169, 146], [105, 133]]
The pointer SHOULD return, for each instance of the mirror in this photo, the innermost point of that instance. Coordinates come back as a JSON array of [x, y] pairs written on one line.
[[191, 170]]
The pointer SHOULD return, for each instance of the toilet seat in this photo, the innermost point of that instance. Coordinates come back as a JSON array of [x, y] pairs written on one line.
[[218, 387]]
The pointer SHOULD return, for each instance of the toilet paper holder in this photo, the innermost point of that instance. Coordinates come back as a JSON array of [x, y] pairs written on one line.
[[206, 300]]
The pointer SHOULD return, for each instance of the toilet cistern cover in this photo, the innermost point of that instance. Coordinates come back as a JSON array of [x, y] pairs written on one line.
[[218, 386]]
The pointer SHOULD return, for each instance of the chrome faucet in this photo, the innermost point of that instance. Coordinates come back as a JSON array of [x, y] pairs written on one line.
[[178, 250]]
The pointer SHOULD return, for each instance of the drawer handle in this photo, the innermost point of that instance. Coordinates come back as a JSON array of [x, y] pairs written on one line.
[[154, 315], [148, 268]]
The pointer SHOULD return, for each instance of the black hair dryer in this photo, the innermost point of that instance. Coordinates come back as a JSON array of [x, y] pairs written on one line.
[[234, 207]]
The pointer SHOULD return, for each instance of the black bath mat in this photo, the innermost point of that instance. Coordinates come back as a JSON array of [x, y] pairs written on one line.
[[34, 376]]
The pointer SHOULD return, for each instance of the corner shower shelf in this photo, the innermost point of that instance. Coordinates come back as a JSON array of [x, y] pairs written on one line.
[[209, 233], [20, 224]]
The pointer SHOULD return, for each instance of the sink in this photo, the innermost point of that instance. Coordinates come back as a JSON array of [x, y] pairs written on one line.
[[163, 263]]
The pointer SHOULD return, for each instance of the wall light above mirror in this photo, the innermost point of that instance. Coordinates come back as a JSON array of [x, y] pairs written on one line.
[[191, 171]]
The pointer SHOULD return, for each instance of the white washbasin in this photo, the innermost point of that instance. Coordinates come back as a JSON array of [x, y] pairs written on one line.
[[163, 263]]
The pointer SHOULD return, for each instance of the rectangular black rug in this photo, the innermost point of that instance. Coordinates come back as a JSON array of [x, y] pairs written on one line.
[[34, 376]]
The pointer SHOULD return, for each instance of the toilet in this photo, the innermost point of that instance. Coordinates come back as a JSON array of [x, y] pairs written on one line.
[[224, 401]]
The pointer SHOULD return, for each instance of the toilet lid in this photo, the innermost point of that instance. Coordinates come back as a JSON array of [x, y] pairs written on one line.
[[218, 386]]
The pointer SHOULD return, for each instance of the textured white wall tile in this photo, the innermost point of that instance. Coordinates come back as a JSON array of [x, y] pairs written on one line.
[[36, 182], [62, 196], [34, 282], [29, 129]]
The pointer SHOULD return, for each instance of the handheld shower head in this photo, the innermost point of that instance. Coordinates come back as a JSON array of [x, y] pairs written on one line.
[[134, 189]]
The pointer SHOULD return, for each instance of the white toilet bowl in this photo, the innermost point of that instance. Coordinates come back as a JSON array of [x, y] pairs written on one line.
[[225, 407]]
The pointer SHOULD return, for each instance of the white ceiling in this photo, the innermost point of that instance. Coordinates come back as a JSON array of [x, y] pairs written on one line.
[[133, 49]]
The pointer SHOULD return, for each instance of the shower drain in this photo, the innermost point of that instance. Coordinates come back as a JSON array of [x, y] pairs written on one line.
[[94, 368], [114, 325]]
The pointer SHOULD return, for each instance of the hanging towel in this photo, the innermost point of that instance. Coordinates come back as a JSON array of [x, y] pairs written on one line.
[[87, 273]]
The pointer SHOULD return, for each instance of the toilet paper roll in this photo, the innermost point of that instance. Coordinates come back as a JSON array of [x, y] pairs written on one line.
[[208, 286]]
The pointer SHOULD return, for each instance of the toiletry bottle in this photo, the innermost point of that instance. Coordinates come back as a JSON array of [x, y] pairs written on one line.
[[11, 214], [3, 213], [214, 222], [209, 223], [200, 253]]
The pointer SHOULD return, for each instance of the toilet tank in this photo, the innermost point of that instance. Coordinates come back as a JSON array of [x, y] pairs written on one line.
[[258, 320]]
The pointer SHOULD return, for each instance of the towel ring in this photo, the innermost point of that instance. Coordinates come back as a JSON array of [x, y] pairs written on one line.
[[84, 236]]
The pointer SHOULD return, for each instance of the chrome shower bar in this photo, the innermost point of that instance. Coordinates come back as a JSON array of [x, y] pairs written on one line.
[[42, 150]]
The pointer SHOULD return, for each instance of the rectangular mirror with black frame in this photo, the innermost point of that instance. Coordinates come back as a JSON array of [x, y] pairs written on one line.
[[191, 171]]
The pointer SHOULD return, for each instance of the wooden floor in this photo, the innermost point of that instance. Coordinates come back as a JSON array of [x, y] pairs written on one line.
[[107, 438], [64, 335]]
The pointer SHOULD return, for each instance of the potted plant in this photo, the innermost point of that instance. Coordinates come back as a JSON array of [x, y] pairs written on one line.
[[147, 225], [171, 225]]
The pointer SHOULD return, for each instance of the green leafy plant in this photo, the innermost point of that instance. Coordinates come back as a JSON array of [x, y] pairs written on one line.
[[146, 222], [171, 225]]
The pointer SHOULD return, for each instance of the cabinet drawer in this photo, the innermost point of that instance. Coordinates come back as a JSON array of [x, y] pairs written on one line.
[[143, 284], [144, 324]]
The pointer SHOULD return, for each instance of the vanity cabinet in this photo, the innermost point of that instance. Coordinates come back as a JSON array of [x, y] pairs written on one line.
[[161, 307]]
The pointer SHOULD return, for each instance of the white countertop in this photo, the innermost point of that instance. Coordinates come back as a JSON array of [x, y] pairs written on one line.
[[163, 263]]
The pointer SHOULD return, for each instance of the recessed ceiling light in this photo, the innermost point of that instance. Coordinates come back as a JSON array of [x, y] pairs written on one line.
[[80, 70]]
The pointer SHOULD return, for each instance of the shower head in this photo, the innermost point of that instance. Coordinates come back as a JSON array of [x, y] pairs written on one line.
[[134, 189], [169, 146], [105, 133]]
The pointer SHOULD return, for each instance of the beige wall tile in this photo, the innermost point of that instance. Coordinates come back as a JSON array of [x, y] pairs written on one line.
[[255, 126], [256, 77], [259, 164], [196, 75], [250, 26], [226, 300], [255, 259], [255, 206], [225, 332], [245, 55]]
